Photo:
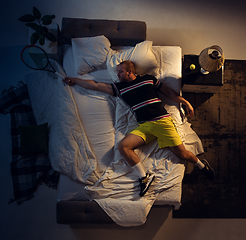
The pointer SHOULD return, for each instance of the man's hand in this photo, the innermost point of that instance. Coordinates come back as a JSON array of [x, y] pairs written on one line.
[[68, 81], [170, 93], [189, 108]]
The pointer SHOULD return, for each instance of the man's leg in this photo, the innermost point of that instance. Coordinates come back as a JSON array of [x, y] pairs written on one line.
[[126, 148], [186, 155]]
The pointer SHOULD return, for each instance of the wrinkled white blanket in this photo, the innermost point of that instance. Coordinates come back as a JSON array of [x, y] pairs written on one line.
[[110, 181]]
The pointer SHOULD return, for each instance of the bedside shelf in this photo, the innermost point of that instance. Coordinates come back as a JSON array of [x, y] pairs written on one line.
[[195, 81]]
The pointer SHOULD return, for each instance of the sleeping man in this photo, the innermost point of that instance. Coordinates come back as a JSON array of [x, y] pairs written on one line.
[[140, 93]]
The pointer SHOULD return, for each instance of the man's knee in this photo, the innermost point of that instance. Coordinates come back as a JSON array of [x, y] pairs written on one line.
[[130, 142], [122, 147]]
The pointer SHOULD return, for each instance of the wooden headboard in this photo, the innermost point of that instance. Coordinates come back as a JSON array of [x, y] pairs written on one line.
[[119, 33]]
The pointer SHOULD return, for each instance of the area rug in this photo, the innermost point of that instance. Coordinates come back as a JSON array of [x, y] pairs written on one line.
[[220, 122]]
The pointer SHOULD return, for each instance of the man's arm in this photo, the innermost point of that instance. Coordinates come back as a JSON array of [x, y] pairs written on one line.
[[170, 93], [90, 84]]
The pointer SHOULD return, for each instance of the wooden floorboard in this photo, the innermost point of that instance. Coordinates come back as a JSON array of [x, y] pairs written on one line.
[[220, 122]]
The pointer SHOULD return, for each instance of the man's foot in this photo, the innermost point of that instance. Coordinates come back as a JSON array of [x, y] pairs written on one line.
[[207, 170], [145, 183]]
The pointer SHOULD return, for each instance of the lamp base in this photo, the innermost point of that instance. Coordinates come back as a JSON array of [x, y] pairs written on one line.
[[203, 71]]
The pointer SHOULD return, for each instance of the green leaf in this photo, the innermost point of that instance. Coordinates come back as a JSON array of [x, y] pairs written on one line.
[[50, 36], [48, 22], [47, 18], [27, 18], [36, 13], [41, 39], [45, 29], [33, 26], [34, 38]]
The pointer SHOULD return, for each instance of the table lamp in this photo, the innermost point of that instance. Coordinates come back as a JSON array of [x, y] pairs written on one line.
[[211, 59]]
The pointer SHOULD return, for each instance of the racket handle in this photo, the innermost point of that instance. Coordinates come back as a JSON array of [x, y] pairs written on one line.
[[60, 75]]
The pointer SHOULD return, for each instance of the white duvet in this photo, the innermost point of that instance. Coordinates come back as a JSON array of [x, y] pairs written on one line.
[[85, 129]]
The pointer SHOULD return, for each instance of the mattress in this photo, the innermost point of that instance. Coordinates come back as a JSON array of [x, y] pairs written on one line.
[[101, 138]]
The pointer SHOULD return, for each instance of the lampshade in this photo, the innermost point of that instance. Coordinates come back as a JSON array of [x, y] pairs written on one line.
[[211, 61]]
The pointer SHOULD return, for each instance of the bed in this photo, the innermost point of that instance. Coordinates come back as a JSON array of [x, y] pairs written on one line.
[[85, 126]]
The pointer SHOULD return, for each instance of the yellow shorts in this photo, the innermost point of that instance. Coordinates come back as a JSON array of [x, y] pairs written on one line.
[[163, 130]]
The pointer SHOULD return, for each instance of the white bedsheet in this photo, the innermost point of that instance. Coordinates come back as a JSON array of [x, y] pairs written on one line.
[[85, 129]]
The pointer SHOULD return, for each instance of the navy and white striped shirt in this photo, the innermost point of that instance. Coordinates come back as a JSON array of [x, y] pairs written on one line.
[[141, 95]]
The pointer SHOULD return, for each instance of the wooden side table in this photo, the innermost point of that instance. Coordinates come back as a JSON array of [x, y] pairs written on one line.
[[195, 81]]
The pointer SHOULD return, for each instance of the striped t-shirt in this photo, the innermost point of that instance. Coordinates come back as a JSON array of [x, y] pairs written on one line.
[[141, 95]]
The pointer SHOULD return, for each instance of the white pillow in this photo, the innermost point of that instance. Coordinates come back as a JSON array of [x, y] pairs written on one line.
[[90, 53], [142, 55]]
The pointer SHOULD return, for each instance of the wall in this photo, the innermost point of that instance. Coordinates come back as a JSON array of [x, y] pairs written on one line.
[[193, 25]]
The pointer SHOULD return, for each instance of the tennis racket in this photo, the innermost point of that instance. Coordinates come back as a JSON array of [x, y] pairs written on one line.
[[36, 58]]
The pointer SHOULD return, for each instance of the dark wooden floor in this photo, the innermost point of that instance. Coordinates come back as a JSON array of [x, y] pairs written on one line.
[[220, 122]]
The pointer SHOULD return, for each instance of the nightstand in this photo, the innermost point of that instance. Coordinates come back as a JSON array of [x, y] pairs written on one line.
[[53, 49], [195, 81]]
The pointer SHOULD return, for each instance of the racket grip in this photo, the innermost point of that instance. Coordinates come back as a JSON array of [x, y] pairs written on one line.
[[60, 75]]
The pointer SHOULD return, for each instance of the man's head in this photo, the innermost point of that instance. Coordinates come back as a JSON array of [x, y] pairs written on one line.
[[126, 71]]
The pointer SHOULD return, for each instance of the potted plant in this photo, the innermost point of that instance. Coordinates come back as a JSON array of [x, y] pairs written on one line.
[[38, 23]]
